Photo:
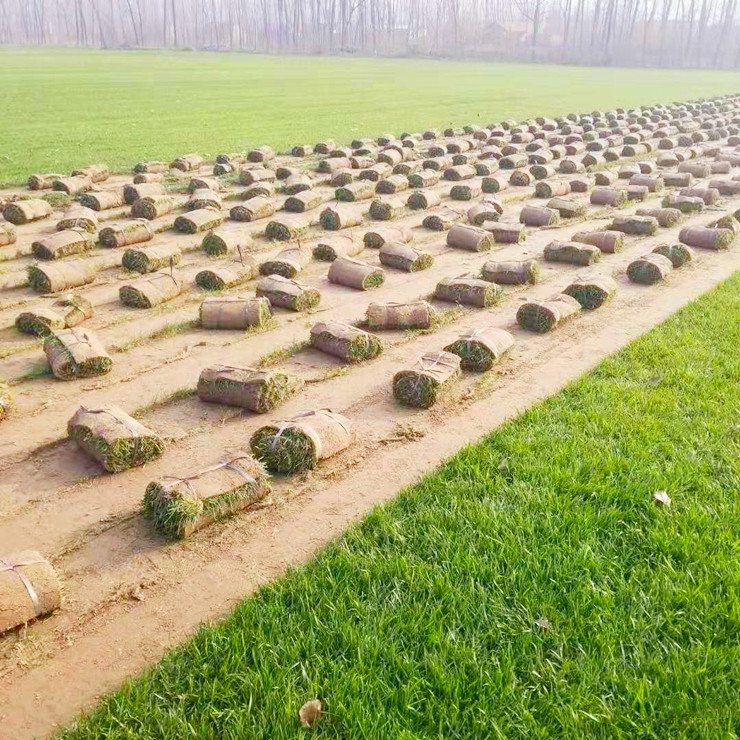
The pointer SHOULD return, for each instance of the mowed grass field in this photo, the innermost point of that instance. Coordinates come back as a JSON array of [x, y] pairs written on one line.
[[69, 108], [426, 620]]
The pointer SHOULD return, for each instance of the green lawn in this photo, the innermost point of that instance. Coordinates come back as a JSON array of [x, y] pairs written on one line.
[[420, 621], [68, 108]]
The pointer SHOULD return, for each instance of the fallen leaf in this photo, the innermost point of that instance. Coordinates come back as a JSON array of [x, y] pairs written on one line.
[[543, 623], [661, 498], [310, 712]]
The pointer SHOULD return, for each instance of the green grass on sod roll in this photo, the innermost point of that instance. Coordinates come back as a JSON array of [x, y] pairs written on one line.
[[121, 454], [473, 356], [422, 620]]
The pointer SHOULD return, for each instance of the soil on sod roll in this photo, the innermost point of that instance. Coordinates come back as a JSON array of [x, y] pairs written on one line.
[[29, 588], [330, 248], [56, 276], [392, 184], [345, 341], [480, 349], [650, 269], [432, 375], [416, 315], [505, 233], [573, 253], [76, 353], [286, 293], [356, 274], [423, 179], [539, 216], [404, 257], [178, 507], [706, 238], [124, 235], [227, 276], [468, 290], [72, 185], [297, 444], [151, 259], [609, 242], [187, 162], [258, 391], [297, 184], [113, 438], [24, 211], [149, 190], [288, 262], [62, 244], [543, 316], [465, 192], [235, 312], [334, 218], [511, 272], [567, 208], [151, 291], [592, 292], [552, 188], [678, 254]]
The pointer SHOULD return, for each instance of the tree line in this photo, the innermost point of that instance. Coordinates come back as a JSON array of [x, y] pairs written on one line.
[[670, 33]]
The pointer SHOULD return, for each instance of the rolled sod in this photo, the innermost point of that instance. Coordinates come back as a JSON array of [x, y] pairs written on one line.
[[419, 200], [79, 218], [480, 349], [666, 217], [235, 312], [56, 276], [288, 262], [650, 269], [391, 185], [72, 185], [202, 219], [443, 219], [29, 588], [65, 313], [218, 243], [504, 233], [335, 218], [151, 208], [386, 210], [227, 276], [258, 391], [43, 181], [342, 245], [544, 316], [355, 191], [539, 216], [151, 259], [376, 238], [62, 244], [404, 257], [432, 375], [470, 291], [297, 444], [494, 184], [124, 235], [608, 196], [286, 229], [609, 242], [304, 201], [76, 353], [286, 293], [297, 184], [24, 211], [566, 207], [489, 209], [416, 315], [150, 291], [706, 238], [113, 438], [636, 225], [345, 341], [253, 209], [521, 178], [678, 254], [511, 272], [684, 203], [424, 179], [470, 238], [551, 188], [8, 234], [573, 253], [592, 292], [187, 162], [204, 198], [356, 274], [465, 192]]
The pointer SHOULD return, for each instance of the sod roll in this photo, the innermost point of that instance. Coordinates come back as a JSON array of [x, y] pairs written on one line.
[[650, 269], [297, 184], [505, 233], [152, 258], [468, 290], [62, 244], [76, 353], [392, 185], [635, 225], [132, 193], [329, 248], [404, 257], [344, 341], [480, 349], [96, 172], [203, 198], [152, 167], [69, 311], [375, 238], [666, 217], [442, 219], [685, 203], [592, 292], [335, 218], [386, 210], [306, 200], [202, 219], [24, 211], [235, 312], [706, 238], [43, 181], [489, 209], [466, 192], [126, 234], [150, 291], [258, 391], [253, 209], [511, 272], [29, 588], [539, 216], [609, 242], [287, 228], [424, 178], [573, 253], [353, 273], [288, 262], [283, 292], [221, 277], [53, 277], [422, 385], [470, 238], [217, 243], [187, 162], [149, 177], [608, 196], [355, 191], [678, 254], [416, 315], [419, 200], [78, 217], [113, 438], [102, 200], [204, 183], [154, 207], [551, 188], [8, 234], [299, 443], [566, 207], [72, 185], [494, 184]]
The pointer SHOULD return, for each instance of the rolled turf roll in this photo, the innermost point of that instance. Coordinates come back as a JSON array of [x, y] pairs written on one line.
[[489, 209], [340, 178], [505, 233], [43, 181], [551, 188], [258, 391], [286, 293], [78, 217], [480, 349], [72, 185], [637, 225], [202, 219], [605, 179], [468, 290], [151, 259], [494, 184], [124, 235], [539, 216], [8, 234], [386, 210], [424, 178], [62, 244], [684, 203], [204, 183], [253, 209], [325, 146], [329, 248], [728, 221], [29, 588], [459, 172], [419, 200], [422, 385], [374, 173], [151, 167], [263, 189], [573, 253], [697, 169], [53, 277], [666, 217], [150, 291], [541, 171], [513, 161], [251, 175], [416, 315], [217, 243], [543, 316], [392, 184], [132, 193], [726, 188], [466, 192], [486, 168], [637, 192], [442, 219], [151, 208], [709, 195], [566, 207], [24, 211], [355, 191], [113, 438], [469, 238], [608, 196], [302, 150], [678, 254], [521, 178], [511, 272], [65, 313], [288, 262], [356, 274], [654, 183], [404, 257], [145, 177], [203, 198], [335, 218], [187, 162], [592, 292], [235, 312], [437, 164], [333, 164], [345, 341], [377, 237], [76, 353], [678, 179], [221, 277], [650, 269], [706, 238], [303, 201], [287, 228], [95, 172], [297, 184], [297, 444], [178, 507], [609, 242]]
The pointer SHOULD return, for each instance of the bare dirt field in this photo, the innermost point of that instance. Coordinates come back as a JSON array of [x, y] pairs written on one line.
[[130, 594]]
